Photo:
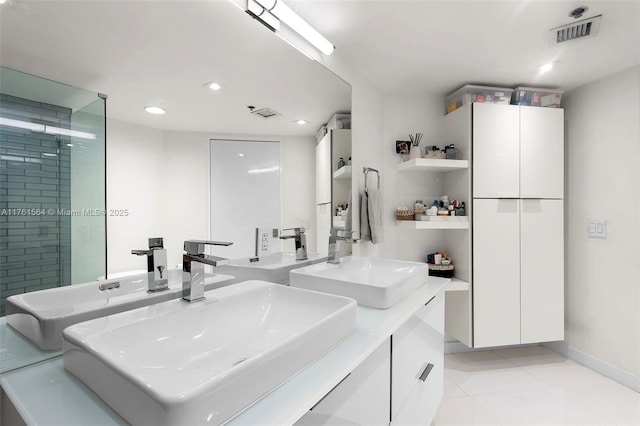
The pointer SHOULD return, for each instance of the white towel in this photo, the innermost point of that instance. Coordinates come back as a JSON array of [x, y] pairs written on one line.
[[365, 230], [374, 210]]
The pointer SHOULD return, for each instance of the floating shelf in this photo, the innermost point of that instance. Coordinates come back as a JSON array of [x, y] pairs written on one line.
[[424, 224], [343, 172], [433, 165], [457, 285]]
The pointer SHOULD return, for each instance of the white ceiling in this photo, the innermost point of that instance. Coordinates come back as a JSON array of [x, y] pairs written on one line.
[[162, 52], [435, 46]]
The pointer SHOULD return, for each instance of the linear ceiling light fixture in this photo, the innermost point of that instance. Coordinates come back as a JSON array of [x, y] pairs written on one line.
[[43, 128], [272, 13]]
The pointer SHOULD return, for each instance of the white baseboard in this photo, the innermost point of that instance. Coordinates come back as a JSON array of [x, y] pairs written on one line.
[[457, 347], [618, 374]]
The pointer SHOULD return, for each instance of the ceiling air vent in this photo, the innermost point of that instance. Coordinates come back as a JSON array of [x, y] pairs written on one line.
[[265, 112], [581, 29]]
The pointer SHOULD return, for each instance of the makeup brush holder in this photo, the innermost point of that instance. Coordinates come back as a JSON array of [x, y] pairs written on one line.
[[414, 152]]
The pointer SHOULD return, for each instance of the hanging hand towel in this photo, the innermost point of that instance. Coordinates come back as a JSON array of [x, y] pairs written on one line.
[[365, 230], [375, 215]]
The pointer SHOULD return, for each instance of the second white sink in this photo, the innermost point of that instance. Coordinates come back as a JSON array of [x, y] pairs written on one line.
[[379, 283], [41, 315], [272, 267]]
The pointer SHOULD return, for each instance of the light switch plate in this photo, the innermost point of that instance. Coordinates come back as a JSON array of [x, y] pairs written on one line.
[[597, 229]]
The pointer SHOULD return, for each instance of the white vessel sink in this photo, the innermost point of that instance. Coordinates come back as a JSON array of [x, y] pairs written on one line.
[[379, 283], [273, 267], [41, 315], [202, 363]]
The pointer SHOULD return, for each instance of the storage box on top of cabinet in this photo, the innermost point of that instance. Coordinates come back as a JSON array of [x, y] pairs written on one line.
[[483, 94], [529, 96]]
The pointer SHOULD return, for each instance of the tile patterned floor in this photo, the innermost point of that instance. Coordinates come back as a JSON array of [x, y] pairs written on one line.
[[531, 386]]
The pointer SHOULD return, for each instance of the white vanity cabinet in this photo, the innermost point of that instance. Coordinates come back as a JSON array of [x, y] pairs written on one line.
[[362, 398], [417, 365]]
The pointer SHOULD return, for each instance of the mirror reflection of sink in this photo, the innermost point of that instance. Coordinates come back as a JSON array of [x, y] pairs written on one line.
[[41, 315], [273, 267], [379, 283], [202, 363]]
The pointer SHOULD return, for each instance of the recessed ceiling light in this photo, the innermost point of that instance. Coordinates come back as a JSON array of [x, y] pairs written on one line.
[[214, 86], [301, 122], [154, 110], [241, 155], [546, 67]]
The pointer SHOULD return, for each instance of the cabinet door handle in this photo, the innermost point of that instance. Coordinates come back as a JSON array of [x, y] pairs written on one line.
[[327, 394], [426, 372], [430, 300]]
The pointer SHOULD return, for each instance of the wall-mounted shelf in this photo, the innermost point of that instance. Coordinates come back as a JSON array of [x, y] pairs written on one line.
[[423, 224], [457, 285], [433, 165], [339, 222], [343, 172]]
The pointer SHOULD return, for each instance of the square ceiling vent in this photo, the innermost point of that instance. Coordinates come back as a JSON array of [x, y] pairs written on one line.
[[265, 112]]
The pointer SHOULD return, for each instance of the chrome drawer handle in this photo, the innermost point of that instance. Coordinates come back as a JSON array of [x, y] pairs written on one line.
[[426, 372]]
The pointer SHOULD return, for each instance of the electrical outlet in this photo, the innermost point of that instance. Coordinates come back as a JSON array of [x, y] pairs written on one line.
[[265, 241]]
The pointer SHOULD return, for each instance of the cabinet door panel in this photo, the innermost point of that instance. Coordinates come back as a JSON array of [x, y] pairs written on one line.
[[496, 151], [542, 270], [361, 399], [414, 345], [323, 170], [541, 152], [496, 273]]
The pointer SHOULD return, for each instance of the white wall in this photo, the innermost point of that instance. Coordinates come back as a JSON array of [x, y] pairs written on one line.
[[405, 114], [135, 168], [602, 182], [163, 178]]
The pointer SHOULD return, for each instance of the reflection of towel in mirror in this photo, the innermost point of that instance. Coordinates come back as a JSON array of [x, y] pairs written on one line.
[[347, 219], [365, 230], [374, 210]]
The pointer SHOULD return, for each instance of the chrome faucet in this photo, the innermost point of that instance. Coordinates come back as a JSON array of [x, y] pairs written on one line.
[[193, 262], [156, 263], [300, 239], [334, 243]]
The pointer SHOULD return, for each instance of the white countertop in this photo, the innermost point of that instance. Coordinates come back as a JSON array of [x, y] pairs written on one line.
[[45, 394]]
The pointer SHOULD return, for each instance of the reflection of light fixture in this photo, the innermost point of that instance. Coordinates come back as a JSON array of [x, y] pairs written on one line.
[[264, 170], [546, 68], [241, 155], [273, 12], [154, 110], [301, 122], [215, 86], [47, 154], [43, 128]]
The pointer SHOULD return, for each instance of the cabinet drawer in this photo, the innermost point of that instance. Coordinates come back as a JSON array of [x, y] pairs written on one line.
[[418, 342], [424, 398]]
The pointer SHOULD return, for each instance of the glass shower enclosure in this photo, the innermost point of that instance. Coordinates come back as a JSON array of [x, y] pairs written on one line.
[[52, 184]]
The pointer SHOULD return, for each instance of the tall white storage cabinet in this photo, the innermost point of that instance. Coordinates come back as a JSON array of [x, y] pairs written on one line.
[[517, 268]]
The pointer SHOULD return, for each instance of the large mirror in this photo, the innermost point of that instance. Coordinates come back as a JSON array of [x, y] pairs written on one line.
[[159, 166]]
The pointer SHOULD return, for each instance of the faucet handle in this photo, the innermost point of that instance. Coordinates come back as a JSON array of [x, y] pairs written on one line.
[[197, 246], [297, 231], [156, 243]]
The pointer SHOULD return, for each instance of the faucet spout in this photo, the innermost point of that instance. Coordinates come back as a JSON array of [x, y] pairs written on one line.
[[156, 264], [193, 262], [300, 242], [335, 240]]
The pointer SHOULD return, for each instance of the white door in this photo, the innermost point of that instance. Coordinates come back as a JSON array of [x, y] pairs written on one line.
[[323, 170], [542, 270], [496, 272], [541, 152], [496, 151]]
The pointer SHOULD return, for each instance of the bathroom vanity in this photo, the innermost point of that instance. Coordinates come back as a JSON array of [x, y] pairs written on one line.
[[389, 370]]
